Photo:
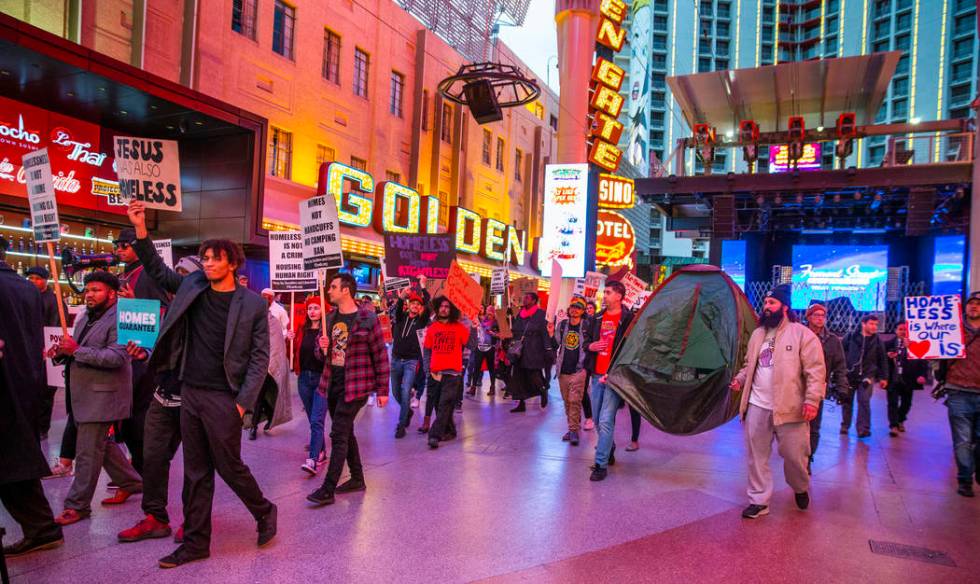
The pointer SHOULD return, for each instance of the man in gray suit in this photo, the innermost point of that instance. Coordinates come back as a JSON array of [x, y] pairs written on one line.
[[99, 377]]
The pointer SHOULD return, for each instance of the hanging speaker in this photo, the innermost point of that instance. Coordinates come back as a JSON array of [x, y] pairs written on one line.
[[482, 101]]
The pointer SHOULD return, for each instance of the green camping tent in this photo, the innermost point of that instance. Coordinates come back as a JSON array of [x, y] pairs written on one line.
[[683, 349]]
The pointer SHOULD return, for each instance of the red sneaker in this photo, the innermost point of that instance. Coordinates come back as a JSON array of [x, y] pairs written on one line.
[[179, 535], [118, 499], [69, 516], [147, 528]]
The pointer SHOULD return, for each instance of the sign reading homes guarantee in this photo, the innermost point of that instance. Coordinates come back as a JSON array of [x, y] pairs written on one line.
[[409, 256], [149, 171], [286, 271], [138, 320]]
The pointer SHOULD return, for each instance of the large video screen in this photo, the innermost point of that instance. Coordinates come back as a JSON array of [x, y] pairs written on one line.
[[825, 272], [947, 267]]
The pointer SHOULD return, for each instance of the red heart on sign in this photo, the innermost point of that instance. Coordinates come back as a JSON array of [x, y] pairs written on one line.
[[919, 348]]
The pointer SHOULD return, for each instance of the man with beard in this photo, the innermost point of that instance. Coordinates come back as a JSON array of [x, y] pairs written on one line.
[[784, 379], [833, 356], [867, 364], [445, 338], [527, 372]]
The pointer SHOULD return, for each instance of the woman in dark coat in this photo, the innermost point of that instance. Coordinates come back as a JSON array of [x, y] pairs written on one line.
[[527, 374]]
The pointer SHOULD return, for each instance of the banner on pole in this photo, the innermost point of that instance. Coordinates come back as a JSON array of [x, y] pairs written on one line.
[[40, 195], [286, 273], [137, 320], [321, 233], [148, 171], [408, 255], [935, 327]]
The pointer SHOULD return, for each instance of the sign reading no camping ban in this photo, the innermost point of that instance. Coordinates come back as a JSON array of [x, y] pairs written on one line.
[[148, 171], [40, 194], [321, 233], [286, 263]]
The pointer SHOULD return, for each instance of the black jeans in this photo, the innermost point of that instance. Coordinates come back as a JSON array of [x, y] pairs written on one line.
[[476, 373], [47, 407], [343, 443], [211, 430], [635, 421], [432, 390], [586, 400], [899, 403], [26, 503], [815, 430], [131, 434], [162, 439], [449, 389]]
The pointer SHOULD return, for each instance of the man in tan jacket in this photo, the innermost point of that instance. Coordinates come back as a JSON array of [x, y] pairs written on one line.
[[784, 379]]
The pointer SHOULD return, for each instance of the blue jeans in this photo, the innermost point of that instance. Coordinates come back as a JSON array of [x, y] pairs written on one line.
[[318, 417], [307, 383], [605, 404], [964, 421], [402, 380]]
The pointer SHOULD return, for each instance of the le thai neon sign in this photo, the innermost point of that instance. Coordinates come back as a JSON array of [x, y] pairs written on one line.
[[402, 209]]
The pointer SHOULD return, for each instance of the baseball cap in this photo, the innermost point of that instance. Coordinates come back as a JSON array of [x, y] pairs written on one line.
[[973, 297], [39, 271], [127, 235]]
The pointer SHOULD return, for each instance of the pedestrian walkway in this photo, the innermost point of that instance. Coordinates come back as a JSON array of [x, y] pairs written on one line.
[[509, 502]]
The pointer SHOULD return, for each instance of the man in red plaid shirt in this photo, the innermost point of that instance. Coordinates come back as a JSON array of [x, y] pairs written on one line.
[[356, 366]]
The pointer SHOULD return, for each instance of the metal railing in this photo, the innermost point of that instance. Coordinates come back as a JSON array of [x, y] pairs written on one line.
[[929, 149]]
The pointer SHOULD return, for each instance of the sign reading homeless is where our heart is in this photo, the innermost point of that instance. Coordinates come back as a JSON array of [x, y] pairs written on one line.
[[935, 327], [149, 171]]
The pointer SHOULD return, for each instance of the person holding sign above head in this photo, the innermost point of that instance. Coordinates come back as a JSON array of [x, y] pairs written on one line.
[[356, 364], [98, 375], [960, 383], [410, 316], [215, 337], [444, 340]]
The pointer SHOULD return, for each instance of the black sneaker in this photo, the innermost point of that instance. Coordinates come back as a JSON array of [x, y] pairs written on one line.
[[843, 430], [753, 511], [573, 438], [598, 473], [802, 500], [181, 556], [267, 526], [566, 437], [400, 432], [433, 443], [352, 486], [31, 545], [321, 496], [965, 490]]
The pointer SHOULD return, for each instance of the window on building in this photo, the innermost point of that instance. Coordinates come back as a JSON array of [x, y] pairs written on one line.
[[331, 56], [875, 155], [721, 48], [964, 24], [900, 87], [903, 65], [706, 7], [446, 128], [283, 22], [880, 46], [393, 176], [553, 122], [960, 113], [658, 61], [660, 23], [443, 208], [425, 110], [903, 42], [704, 46], [657, 118], [724, 10], [358, 163], [281, 153], [963, 48], [900, 108], [767, 53], [704, 64], [659, 79], [324, 155], [902, 4], [959, 93], [830, 45], [903, 21], [518, 163], [722, 28], [487, 141], [243, 17], [881, 29], [361, 71], [660, 42], [397, 93], [962, 71], [721, 64], [500, 154]]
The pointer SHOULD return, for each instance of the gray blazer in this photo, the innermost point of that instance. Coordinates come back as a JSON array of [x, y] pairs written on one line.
[[100, 374]]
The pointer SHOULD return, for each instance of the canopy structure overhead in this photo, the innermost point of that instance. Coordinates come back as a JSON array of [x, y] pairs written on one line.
[[818, 90]]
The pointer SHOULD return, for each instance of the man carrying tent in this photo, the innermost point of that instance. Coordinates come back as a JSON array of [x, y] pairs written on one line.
[[784, 379]]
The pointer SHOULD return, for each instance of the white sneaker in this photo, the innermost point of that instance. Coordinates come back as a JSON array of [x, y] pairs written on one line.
[[309, 466], [588, 425], [370, 401], [59, 470], [415, 403]]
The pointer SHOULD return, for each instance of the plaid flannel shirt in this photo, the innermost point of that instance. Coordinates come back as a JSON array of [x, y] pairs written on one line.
[[366, 367]]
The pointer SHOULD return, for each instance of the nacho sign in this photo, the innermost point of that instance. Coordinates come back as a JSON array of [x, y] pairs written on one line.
[[935, 327]]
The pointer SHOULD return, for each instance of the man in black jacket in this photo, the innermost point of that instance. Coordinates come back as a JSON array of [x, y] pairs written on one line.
[[406, 353], [215, 336], [608, 329], [905, 375], [867, 364], [38, 276], [833, 356], [21, 381]]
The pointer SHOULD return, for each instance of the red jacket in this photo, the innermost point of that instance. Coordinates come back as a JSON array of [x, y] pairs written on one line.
[[366, 367]]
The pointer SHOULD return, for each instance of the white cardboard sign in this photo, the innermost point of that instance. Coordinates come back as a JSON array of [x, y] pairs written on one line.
[[40, 194], [149, 171], [321, 233]]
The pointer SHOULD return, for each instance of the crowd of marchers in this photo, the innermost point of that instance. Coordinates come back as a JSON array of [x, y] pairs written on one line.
[[220, 365]]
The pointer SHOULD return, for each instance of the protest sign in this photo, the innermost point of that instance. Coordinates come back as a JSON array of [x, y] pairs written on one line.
[[462, 291], [592, 284], [40, 194], [396, 284], [498, 282], [935, 327], [476, 277], [165, 249], [137, 320], [286, 273], [385, 321], [56, 373], [148, 171], [554, 291], [434, 287], [503, 323], [408, 256], [634, 288], [520, 287], [321, 233]]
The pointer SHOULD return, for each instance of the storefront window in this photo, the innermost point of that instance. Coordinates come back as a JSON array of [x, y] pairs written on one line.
[[361, 65], [243, 17], [281, 153], [283, 21]]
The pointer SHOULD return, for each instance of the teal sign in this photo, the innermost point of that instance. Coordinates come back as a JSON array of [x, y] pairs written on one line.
[[138, 320]]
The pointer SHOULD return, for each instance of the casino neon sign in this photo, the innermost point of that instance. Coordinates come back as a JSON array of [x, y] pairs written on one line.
[[607, 78], [402, 209]]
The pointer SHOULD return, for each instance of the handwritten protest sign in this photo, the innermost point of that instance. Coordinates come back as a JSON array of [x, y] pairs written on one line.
[[593, 283], [286, 272], [634, 289], [385, 321], [40, 194], [149, 171], [556, 272], [935, 327], [56, 373], [165, 249], [498, 281], [462, 291], [408, 256], [321, 233], [520, 287], [138, 320], [503, 323]]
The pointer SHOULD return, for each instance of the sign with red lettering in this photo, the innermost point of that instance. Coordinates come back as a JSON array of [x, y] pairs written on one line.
[[410, 256], [81, 167], [462, 291], [149, 171], [615, 241]]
